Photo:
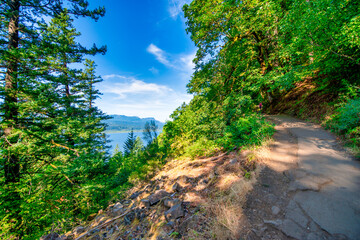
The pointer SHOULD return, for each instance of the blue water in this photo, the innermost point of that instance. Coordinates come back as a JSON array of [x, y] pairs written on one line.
[[120, 138]]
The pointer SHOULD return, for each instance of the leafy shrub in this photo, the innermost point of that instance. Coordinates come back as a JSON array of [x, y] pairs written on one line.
[[346, 121], [201, 147], [249, 130]]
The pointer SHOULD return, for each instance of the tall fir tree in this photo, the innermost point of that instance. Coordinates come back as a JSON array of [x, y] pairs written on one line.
[[39, 156]]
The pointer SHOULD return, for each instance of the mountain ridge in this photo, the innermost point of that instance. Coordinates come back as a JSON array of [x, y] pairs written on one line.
[[128, 123]]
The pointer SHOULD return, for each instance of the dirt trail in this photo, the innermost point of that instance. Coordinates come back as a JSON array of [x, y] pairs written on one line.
[[308, 189]]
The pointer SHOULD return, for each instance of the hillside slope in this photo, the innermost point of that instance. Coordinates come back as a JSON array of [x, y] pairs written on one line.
[[292, 193]]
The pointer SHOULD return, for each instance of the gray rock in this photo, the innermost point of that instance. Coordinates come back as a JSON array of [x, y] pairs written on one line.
[[171, 202], [157, 196], [79, 230], [144, 203], [174, 212], [110, 232], [116, 209], [135, 195], [96, 237], [313, 236], [176, 187], [294, 213], [275, 210], [129, 218], [51, 236], [291, 229], [233, 161], [171, 224], [275, 223], [188, 223]]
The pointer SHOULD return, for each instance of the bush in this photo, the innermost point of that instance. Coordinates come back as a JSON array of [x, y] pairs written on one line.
[[346, 121]]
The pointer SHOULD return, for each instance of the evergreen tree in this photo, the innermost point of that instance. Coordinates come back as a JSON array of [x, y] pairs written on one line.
[[129, 143], [36, 147]]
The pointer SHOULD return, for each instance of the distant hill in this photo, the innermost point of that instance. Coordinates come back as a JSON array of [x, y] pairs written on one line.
[[126, 123]]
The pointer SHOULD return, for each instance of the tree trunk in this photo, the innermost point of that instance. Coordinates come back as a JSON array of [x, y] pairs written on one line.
[[10, 103], [12, 160]]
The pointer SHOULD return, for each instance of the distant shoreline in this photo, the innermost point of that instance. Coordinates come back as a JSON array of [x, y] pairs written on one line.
[[121, 131]]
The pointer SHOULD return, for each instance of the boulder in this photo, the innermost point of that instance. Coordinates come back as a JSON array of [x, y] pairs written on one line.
[[171, 202], [174, 212], [157, 196]]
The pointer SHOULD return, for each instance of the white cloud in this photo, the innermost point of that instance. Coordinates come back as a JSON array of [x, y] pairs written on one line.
[[159, 54], [180, 62], [136, 87], [132, 97], [111, 76], [175, 7], [154, 70]]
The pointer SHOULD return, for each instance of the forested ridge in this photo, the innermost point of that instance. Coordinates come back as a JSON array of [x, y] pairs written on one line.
[[126, 123], [55, 170]]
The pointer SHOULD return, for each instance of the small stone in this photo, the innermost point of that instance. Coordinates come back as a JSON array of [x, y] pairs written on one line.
[[51, 236], [135, 195], [111, 232], [157, 196], [174, 212], [176, 187], [94, 231], [233, 161], [117, 206], [291, 229], [275, 223], [170, 224], [79, 230], [129, 218], [171, 202], [144, 203], [96, 237], [188, 223], [275, 210]]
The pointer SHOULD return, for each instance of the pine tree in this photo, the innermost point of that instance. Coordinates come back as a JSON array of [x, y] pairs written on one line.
[[35, 146], [129, 143]]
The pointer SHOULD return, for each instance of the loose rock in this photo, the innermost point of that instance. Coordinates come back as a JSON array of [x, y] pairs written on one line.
[[275, 210], [79, 230], [157, 196], [174, 212], [171, 202], [51, 236], [233, 161]]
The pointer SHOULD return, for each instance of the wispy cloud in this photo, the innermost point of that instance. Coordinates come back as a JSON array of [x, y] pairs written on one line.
[[154, 70], [134, 86], [180, 62], [160, 54], [129, 96], [175, 7]]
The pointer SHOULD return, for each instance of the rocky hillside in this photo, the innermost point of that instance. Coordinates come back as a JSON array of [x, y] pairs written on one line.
[[188, 199]]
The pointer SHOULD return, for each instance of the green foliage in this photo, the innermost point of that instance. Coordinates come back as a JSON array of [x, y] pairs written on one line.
[[52, 142], [346, 121]]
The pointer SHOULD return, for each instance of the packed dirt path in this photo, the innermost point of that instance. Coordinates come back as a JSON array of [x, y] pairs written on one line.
[[309, 188]]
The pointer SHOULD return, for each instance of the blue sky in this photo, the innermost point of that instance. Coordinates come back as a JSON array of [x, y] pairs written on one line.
[[149, 57]]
